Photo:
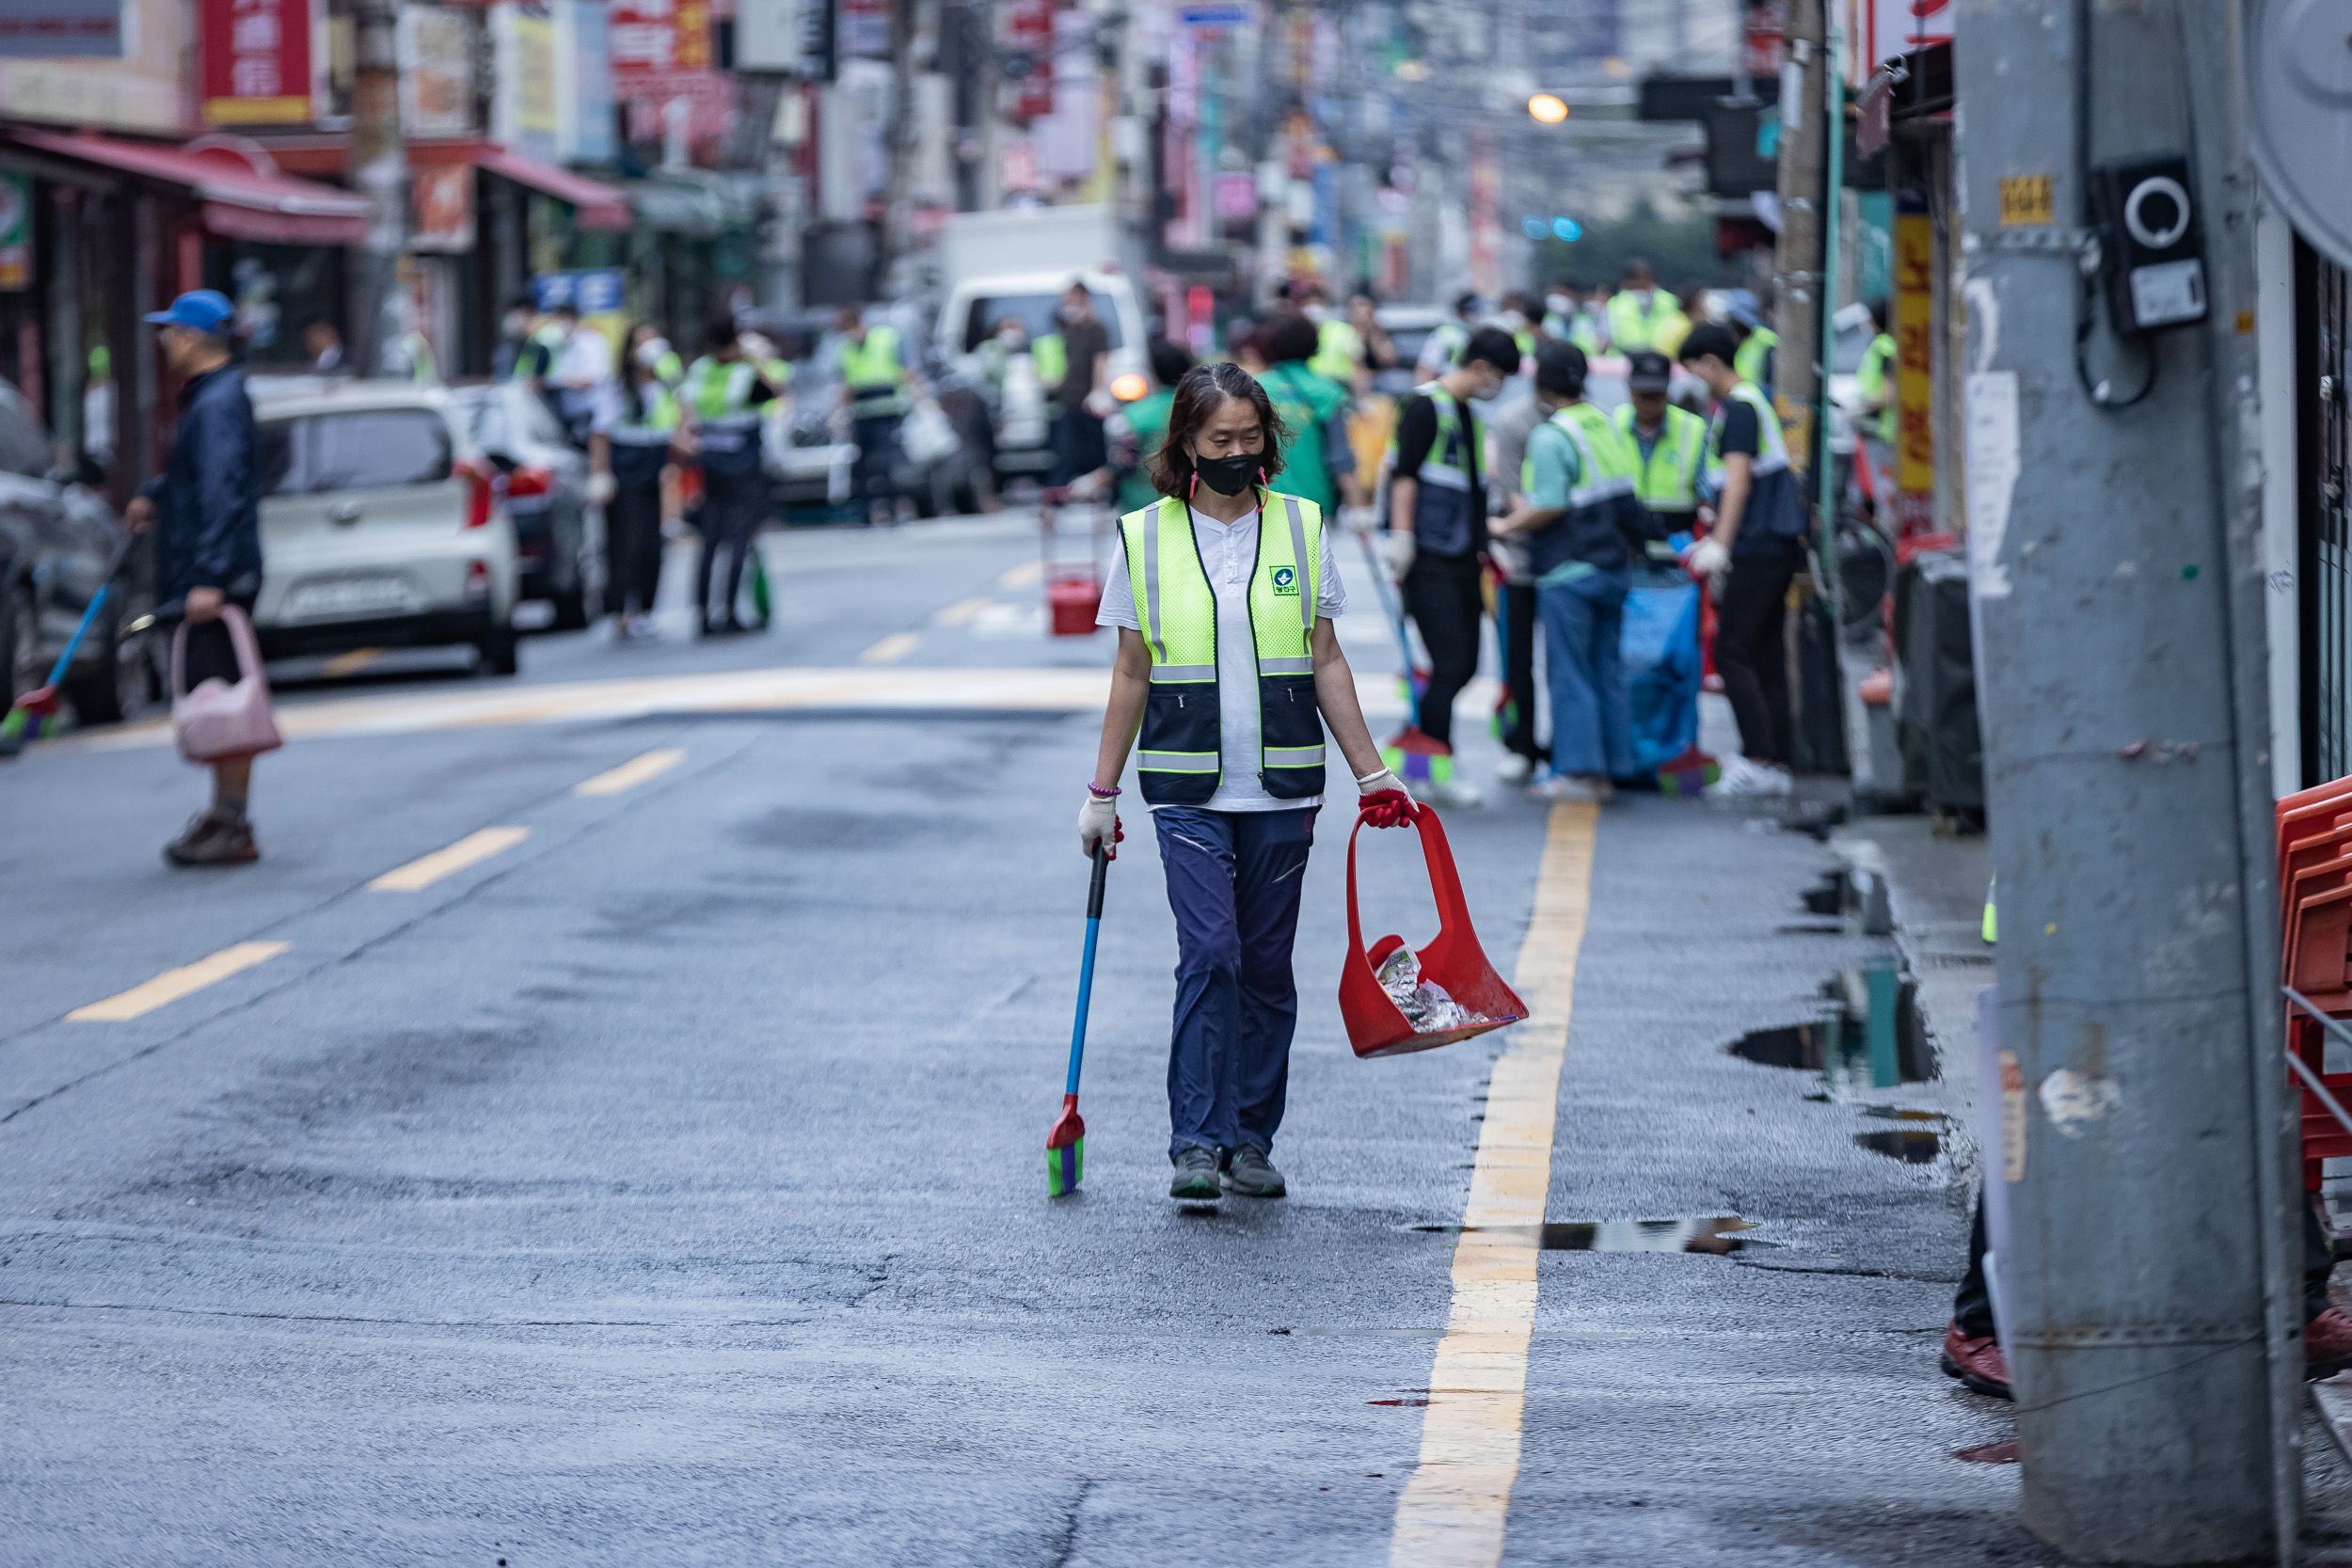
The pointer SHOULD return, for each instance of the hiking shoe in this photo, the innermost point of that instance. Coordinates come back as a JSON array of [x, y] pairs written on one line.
[[1252, 1175], [213, 839], [2327, 1344], [1978, 1365], [1196, 1176]]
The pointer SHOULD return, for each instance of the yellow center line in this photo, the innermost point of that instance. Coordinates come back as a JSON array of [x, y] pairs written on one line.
[[959, 612], [636, 770], [472, 849], [352, 662], [1027, 574], [892, 648], [1452, 1513], [173, 984]]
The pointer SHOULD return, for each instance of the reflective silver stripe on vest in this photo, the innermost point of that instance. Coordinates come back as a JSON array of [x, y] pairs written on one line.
[[1182, 672], [1286, 666], [732, 422], [1434, 473], [1176, 762], [1294, 756], [641, 435], [1151, 588], [1775, 455], [1298, 564]]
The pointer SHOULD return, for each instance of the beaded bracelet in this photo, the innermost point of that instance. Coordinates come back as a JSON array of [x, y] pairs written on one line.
[[1102, 794]]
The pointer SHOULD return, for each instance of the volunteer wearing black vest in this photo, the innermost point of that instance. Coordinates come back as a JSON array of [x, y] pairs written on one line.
[[722, 397], [1228, 670], [1438, 527], [1758, 544]]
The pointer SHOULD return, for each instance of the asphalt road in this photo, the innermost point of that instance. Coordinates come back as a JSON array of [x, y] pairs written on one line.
[[666, 1185]]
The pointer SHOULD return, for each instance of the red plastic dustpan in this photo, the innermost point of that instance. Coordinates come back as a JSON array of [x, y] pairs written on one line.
[[1452, 958]]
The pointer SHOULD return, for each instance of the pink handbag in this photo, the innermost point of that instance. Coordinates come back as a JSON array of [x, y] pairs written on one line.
[[217, 721]]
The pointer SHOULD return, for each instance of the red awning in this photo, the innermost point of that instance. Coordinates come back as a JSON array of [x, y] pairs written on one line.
[[240, 200], [595, 206]]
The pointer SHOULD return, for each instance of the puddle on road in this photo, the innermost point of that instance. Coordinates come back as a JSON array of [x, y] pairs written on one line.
[[1912, 1148], [1871, 1037], [1718, 1235], [1829, 895]]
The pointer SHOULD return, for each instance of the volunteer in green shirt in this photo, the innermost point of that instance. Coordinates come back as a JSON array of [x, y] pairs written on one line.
[[1139, 427], [1318, 464], [1582, 526], [1642, 312]]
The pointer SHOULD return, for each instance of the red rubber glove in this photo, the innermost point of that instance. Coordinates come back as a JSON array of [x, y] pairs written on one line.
[[1384, 803]]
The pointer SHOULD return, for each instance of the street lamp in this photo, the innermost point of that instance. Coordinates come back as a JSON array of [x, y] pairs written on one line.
[[1549, 107]]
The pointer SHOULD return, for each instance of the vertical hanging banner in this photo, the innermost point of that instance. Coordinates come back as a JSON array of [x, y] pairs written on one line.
[[436, 73], [255, 60], [523, 113], [1915, 368]]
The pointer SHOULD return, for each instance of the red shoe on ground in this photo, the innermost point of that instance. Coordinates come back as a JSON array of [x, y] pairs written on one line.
[[1978, 1366], [2327, 1344]]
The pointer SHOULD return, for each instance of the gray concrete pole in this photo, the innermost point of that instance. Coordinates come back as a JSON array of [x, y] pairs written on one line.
[[380, 167], [1797, 258], [2152, 1288]]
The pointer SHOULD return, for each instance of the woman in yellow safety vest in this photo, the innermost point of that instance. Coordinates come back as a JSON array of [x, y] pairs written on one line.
[[720, 399], [631, 454], [1228, 670]]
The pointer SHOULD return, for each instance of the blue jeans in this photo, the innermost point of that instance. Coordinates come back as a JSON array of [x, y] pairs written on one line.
[[1592, 730], [1234, 879]]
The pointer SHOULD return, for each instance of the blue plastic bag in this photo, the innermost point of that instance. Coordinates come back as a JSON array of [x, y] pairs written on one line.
[[1660, 649]]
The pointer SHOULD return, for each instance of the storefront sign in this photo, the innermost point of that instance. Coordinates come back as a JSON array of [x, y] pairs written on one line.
[[436, 73], [583, 83], [864, 30], [67, 28], [256, 61], [442, 197], [523, 116], [16, 232], [661, 54], [592, 292]]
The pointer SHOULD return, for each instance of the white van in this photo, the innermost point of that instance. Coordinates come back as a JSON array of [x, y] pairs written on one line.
[[978, 307]]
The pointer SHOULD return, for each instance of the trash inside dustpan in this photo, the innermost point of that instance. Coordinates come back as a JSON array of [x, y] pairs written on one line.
[[1453, 959]]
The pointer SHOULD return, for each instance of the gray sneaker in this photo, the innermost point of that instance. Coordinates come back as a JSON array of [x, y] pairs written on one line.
[[1196, 1176], [1252, 1175]]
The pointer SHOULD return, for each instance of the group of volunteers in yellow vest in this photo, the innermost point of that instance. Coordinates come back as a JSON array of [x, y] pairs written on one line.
[[1229, 685]]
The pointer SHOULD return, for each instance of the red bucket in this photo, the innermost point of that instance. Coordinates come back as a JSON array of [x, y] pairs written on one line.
[[1453, 959]]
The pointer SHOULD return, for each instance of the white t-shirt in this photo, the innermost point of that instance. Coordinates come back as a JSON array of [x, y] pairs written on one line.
[[1230, 552]]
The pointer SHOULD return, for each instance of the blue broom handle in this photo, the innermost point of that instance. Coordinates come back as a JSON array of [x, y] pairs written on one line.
[[1395, 611], [73, 643], [1086, 966]]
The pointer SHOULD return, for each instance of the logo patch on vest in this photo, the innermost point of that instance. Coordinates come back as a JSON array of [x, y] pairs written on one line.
[[1286, 580]]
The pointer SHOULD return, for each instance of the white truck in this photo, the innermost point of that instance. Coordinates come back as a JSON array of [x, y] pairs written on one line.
[[1014, 264]]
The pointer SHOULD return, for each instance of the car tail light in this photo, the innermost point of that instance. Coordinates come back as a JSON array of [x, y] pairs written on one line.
[[483, 484], [477, 580], [529, 481]]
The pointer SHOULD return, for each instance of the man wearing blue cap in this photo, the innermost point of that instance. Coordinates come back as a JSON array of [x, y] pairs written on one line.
[[205, 507]]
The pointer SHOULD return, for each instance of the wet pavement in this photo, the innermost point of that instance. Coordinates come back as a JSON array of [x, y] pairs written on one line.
[[661, 1185]]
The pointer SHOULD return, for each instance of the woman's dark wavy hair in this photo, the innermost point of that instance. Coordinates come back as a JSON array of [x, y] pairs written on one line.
[[1204, 389]]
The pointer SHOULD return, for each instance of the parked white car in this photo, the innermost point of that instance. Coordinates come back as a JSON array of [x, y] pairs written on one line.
[[382, 526]]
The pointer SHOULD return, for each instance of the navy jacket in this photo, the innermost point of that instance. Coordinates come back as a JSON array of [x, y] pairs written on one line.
[[208, 498]]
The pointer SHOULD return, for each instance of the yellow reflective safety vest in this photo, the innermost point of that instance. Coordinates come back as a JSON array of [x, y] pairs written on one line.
[[1635, 328], [1870, 381], [1443, 510], [1755, 349], [1049, 356], [726, 421], [1603, 519], [1178, 756], [1337, 351], [641, 442], [1668, 481], [871, 371]]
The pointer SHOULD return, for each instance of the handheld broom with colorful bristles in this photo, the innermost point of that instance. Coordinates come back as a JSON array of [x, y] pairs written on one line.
[[1066, 1145], [34, 713]]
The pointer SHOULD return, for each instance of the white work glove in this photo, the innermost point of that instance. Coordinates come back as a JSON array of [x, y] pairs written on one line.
[[1358, 520], [1097, 823], [600, 489], [1707, 558], [1396, 553], [1382, 800], [1100, 403]]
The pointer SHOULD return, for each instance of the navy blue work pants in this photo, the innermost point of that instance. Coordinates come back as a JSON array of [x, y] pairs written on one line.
[[1234, 879]]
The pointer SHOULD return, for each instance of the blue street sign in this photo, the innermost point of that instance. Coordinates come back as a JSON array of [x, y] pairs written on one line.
[[1231, 13], [594, 291]]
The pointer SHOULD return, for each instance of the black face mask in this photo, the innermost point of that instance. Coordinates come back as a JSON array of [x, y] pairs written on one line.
[[1229, 476]]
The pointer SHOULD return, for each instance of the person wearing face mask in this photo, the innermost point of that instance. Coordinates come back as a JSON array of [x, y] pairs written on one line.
[[1436, 528], [1642, 312], [649, 349], [1519, 319], [722, 397], [1228, 670], [1569, 320], [633, 474]]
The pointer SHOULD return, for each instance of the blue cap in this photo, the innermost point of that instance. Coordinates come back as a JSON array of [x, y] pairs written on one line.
[[205, 310], [1742, 305]]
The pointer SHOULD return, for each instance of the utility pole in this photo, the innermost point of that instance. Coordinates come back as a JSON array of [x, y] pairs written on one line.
[[2150, 1269], [899, 139], [1797, 259], [380, 167]]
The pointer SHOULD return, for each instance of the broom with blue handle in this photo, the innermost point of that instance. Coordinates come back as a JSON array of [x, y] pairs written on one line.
[[1066, 1145], [34, 714]]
